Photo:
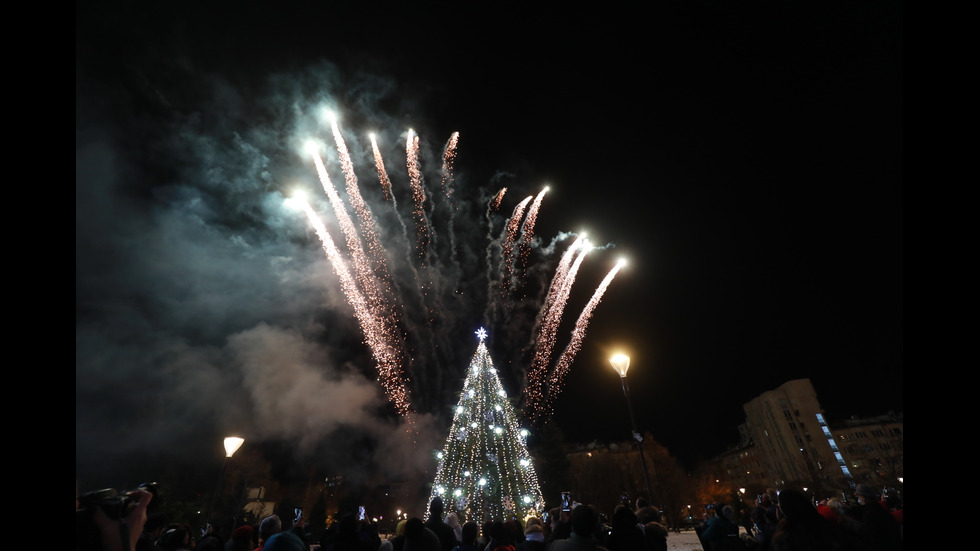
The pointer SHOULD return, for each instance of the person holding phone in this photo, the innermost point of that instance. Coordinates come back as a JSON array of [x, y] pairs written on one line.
[[210, 540], [289, 540], [561, 524]]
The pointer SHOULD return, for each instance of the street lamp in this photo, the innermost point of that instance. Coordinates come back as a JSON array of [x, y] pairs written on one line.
[[232, 443], [621, 363]]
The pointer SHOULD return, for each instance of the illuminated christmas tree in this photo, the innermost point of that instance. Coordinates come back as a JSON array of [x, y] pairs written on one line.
[[485, 471]]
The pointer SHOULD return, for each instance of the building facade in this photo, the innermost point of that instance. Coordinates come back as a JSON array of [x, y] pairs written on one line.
[[786, 441]]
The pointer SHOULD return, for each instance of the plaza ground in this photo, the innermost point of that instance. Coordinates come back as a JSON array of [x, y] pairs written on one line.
[[686, 540]]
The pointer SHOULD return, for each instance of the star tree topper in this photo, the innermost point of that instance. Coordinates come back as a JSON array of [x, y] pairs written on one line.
[[481, 333]]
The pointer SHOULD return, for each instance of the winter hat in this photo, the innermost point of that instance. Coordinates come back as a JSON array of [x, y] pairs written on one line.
[[242, 533]]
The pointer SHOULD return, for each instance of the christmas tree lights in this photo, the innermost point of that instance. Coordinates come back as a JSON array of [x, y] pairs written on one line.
[[485, 471]]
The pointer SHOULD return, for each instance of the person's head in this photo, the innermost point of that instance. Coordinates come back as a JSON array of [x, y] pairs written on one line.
[[514, 531], [242, 534], [496, 531], [866, 494], [835, 504], [270, 526], [584, 520], [642, 502], [284, 541], [470, 530], [623, 518], [414, 528], [347, 527], [648, 514], [400, 528], [532, 530], [794, 504], [728, 512], [436, 508], [173, 538], [554, 517]]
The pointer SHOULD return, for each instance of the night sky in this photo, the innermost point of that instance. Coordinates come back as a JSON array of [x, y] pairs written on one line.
[[746, 161]]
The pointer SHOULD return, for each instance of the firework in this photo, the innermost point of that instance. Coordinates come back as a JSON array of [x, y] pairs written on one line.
[[417, 364]]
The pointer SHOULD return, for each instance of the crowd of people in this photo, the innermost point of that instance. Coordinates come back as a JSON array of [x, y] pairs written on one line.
[[780, 521], [789, 521]]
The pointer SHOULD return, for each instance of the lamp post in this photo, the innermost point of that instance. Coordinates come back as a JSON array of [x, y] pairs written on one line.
[[232, 443], [621, 363]]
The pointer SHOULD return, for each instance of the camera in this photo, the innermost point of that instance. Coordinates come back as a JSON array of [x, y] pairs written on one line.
[[566, 501], [115, 504]]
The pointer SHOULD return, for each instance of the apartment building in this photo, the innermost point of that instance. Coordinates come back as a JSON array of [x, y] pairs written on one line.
[[786, 440]]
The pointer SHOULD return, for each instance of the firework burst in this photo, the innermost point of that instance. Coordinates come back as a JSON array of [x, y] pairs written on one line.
[[414, 298]]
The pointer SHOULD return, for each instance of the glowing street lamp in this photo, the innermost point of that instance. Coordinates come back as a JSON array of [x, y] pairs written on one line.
[[232, 443], [621, 363]]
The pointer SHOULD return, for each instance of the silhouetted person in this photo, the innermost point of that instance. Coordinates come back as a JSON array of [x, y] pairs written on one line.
[[445, 533], [348, 536], [453, 521], [394, 543], [764, 518], [719, 529], [802, 528], [625, 535], [419, 538], [468, 539], [878, 529], [533, 536], [210, 541], [561, 526], [654, 531], [585, 521], [270, 526], [240, 540], [152, 530], [498, 537]]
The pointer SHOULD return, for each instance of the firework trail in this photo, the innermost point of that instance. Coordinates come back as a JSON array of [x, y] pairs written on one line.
[[362, 267], [368, 226], [527, 231], [385, 326], [447, 186], [495, 204], [418, 195], [578, 335], [389, 366], [507, 249], [392, 203], [382, 173], [550, 319], [491, 309]]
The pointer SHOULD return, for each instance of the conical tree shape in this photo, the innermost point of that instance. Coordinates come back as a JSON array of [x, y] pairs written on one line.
[[485, 471]]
